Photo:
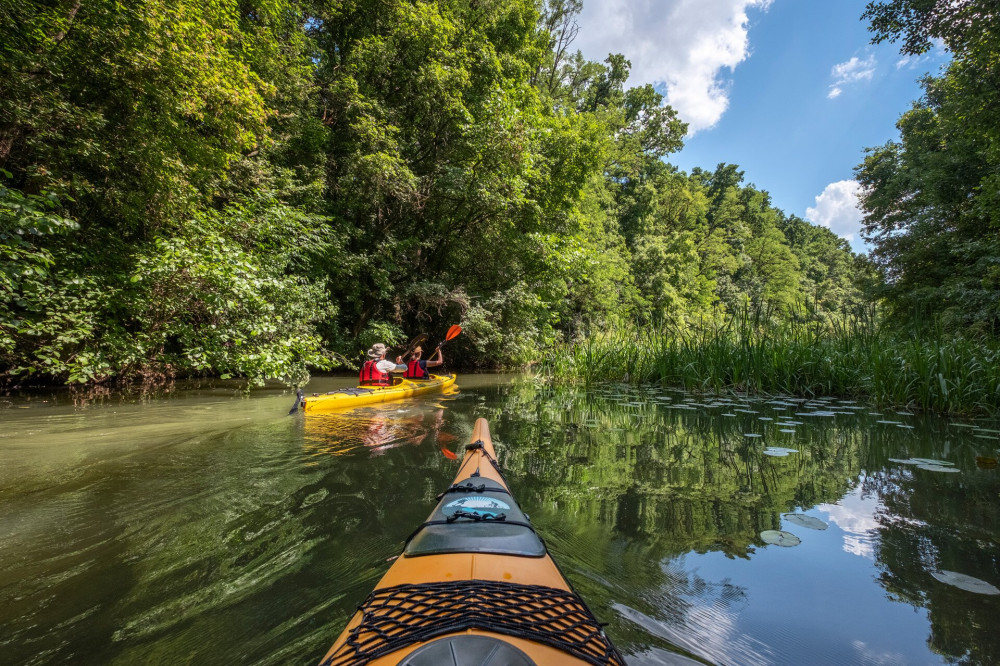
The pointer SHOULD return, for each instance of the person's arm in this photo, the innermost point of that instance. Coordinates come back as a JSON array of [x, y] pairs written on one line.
[[431, 363], [385, 365]]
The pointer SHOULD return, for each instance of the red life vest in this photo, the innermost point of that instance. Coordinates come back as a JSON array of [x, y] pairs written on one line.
[[372, 376], [414, 371]]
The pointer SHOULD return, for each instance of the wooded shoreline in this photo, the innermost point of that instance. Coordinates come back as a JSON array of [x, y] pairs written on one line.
[[264, 189]]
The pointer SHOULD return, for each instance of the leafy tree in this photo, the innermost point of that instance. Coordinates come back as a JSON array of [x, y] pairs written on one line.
[[932, 199], [829, 272], [134, 118], [771, 274], [919, 22]]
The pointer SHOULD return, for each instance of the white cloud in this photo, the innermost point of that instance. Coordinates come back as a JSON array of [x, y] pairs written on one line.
[[855, 515], [837, 210], [852, 71], [868, 655], [685, 45]]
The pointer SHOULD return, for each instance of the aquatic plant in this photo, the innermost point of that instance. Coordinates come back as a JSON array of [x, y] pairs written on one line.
[[750, 350]]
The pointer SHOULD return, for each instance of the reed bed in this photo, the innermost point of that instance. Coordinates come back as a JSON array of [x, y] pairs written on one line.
[[751, 351]]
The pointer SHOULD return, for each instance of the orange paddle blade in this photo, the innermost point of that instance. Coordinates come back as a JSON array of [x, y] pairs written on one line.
[[453, 332], [448, 454]]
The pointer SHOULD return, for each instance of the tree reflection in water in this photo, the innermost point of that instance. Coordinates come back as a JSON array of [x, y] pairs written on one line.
[[629, 484]]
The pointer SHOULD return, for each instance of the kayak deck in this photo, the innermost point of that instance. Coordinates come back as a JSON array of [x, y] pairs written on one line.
[[370, 395], [474, 580]]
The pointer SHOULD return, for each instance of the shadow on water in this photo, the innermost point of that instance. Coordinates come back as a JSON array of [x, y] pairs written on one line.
[[210, 528]]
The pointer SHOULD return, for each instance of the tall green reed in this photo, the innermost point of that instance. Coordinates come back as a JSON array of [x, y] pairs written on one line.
[[754, 350]]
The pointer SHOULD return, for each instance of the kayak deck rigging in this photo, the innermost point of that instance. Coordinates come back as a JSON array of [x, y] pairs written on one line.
[[402, 615]]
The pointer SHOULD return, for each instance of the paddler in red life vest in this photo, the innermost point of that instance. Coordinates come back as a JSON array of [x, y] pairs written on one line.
[[375, 371], [417, 367]]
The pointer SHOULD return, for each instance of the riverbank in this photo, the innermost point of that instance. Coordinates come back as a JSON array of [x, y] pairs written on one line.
[[856, 359]]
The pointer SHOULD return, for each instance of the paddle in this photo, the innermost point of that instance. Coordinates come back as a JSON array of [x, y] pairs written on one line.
[[451, 334], [417, 340], [299, 394]]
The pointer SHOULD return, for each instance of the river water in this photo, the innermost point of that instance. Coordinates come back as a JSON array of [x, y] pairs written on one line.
[[206, 527]]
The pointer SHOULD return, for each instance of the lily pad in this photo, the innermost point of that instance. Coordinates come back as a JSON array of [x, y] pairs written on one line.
[[938, 468], [806, 521], [786, 430], [963, 582], [751, 434], [778, 451], [780, 538], [931, 461]]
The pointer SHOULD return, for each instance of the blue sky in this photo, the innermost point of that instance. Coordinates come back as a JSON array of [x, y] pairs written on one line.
[[790, 90]]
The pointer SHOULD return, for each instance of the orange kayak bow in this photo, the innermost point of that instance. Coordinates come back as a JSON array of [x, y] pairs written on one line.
[[474, 585]]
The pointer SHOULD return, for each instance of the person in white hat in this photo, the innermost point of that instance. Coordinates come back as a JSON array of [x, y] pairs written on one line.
[[375, 371]]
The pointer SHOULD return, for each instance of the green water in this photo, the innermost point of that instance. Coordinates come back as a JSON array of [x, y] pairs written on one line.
[[208, 528]]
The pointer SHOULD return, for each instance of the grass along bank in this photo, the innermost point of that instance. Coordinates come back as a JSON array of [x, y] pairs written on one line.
[[856, 358]]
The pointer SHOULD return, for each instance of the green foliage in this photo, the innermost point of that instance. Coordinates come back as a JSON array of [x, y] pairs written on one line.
[[507, 326], [25, 220], [42, 309], [919, 22], [931, 199], [224, 297], [133, 109]]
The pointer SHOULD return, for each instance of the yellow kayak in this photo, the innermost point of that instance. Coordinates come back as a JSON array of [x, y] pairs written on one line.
[[370, 395], [474, 586]]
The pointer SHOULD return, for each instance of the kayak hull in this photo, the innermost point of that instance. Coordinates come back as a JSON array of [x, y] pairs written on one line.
[[474, 579], [371, 395]]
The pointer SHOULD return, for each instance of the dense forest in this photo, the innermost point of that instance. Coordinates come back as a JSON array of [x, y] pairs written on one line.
[[259, 188]]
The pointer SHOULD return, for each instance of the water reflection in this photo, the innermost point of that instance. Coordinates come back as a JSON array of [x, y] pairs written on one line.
[[210, 526], [667, 481], [381, 427]]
